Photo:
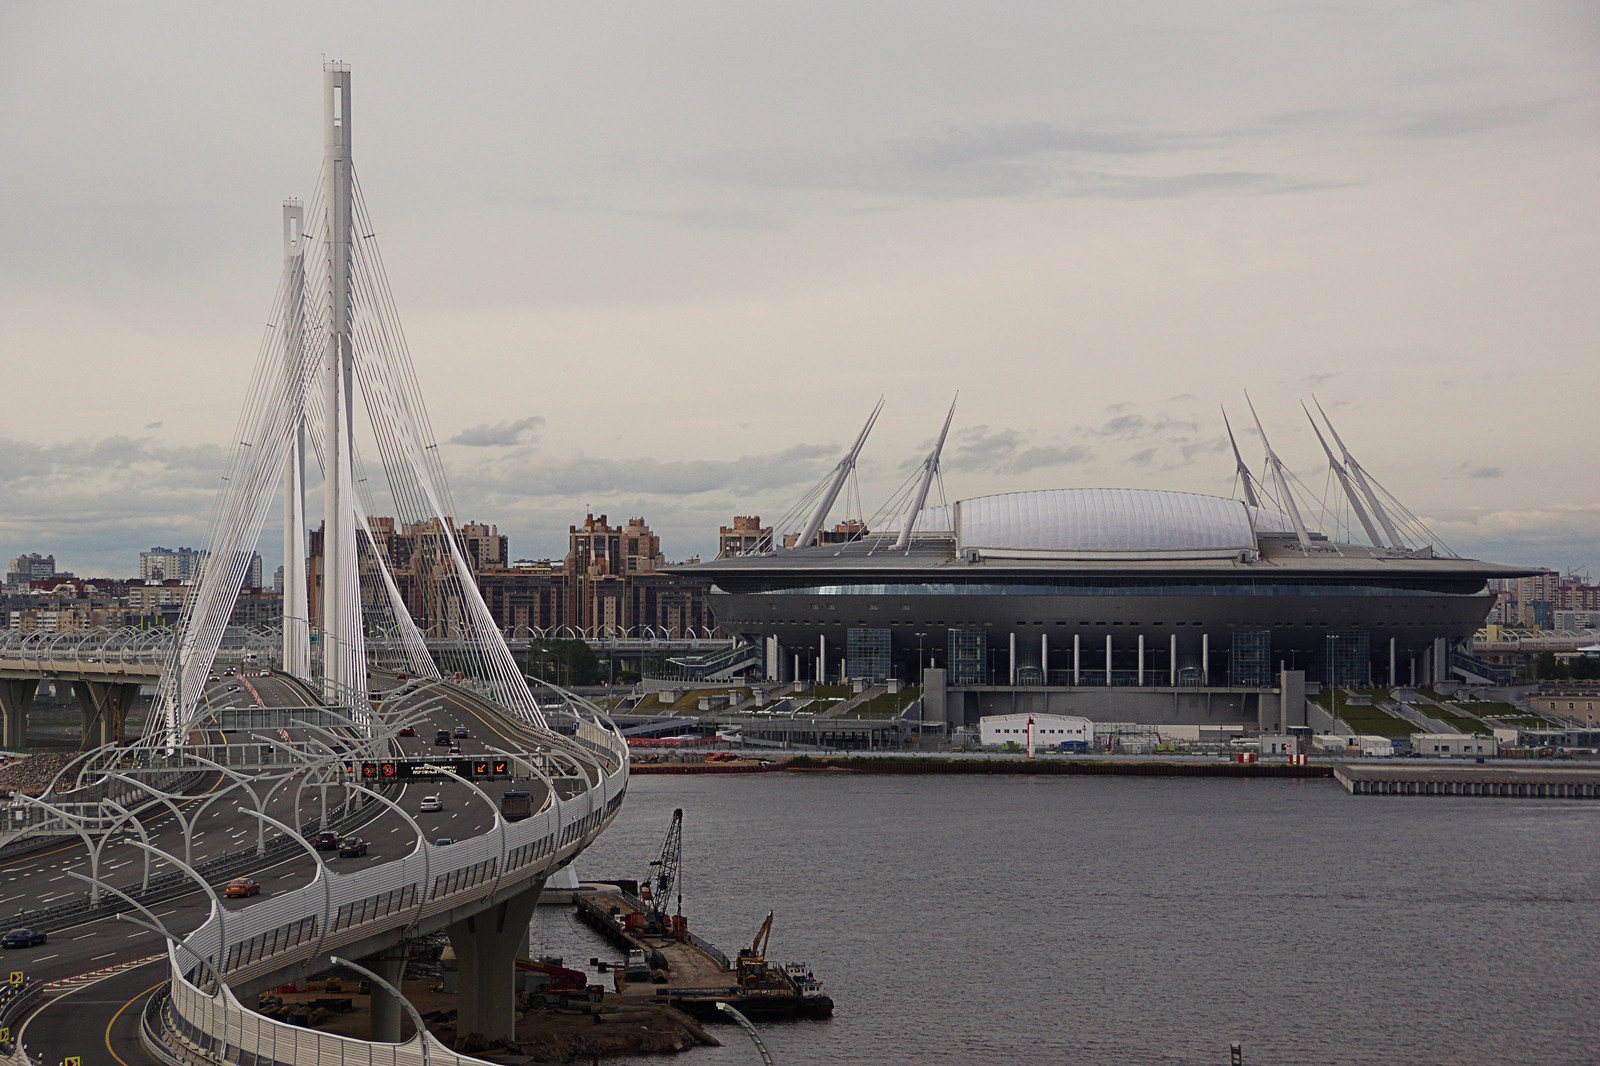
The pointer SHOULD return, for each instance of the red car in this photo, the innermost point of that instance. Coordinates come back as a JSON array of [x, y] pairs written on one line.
[[242, 886], [408, 731]]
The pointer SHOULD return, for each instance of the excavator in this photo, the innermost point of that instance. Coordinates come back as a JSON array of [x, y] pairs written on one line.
[[751, 969]]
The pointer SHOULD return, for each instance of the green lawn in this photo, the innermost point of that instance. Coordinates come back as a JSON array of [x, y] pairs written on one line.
[[887, 705]]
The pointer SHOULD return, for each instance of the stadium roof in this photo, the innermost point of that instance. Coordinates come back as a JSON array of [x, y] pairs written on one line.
[[1103, 523]]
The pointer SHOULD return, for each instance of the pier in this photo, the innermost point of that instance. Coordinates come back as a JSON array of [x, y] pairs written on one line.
[[1391, 779]]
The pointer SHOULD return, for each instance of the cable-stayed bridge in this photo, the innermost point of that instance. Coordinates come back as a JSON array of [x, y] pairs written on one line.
[[120, 851]]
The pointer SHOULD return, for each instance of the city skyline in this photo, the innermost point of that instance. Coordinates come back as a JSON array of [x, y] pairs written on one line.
[[1069, 216]]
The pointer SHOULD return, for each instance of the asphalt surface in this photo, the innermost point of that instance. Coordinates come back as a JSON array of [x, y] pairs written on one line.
[[94, 1015]]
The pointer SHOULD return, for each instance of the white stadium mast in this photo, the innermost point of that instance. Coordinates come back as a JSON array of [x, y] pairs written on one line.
[[1360, 477], [1281, 481], [1344, 482], [1243, 471], [930, 467], [840, 474]]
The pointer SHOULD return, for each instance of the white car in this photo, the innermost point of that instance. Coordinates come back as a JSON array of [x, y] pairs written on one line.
[[431, 803]]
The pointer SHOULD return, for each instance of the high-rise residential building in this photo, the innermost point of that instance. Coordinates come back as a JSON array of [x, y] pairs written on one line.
[[26, 568], [745, 537], [171, 564]]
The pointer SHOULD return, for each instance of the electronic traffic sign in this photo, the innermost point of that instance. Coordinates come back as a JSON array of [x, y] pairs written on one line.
[[422, 769]]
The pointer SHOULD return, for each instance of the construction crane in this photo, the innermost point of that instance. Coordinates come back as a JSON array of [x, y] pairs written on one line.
[[664, 871]]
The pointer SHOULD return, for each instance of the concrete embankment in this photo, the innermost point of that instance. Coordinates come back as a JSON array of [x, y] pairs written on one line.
[[1001, 764]]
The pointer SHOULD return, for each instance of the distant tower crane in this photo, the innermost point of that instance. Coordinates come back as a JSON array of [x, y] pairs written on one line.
[[664, 871]]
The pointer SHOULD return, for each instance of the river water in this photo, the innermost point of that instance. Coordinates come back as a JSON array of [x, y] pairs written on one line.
[[1134, 920]]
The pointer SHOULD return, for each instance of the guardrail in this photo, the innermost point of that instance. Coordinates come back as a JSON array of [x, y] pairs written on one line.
[[176, 883], [338, 909]]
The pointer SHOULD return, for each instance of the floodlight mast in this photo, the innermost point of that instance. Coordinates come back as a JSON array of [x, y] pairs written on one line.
[[1344, 482], [930, 467], [1282, 481], [840, 474]]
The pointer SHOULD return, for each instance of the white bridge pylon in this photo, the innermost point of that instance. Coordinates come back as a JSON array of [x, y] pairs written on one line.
[[335, 333]]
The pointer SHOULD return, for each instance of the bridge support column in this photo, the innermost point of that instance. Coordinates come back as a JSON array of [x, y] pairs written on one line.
[[487, 945], [16, 696], [386, 1009], [104, 706]]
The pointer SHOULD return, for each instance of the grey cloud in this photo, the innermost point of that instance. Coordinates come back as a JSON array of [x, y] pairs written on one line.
[[1204, 447], [1181, 396], [1009, 160], [1459, 122], [95, 503], [1479, 470], [578, 474], [500, 435], [1006, 452], [1142, 458], [152, 425], [1127, 426]]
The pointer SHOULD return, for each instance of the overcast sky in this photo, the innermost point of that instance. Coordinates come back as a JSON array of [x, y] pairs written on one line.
[[662, 259]]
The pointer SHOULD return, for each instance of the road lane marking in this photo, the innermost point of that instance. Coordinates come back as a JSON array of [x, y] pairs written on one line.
[[117, 1015], [43, 958], [85, 936]]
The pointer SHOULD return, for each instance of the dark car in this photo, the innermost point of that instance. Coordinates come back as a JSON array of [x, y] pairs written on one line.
[[408, 731], [23, 938], [325, 841], [442, 841], [442, 737], [461, 732], [350, 847]]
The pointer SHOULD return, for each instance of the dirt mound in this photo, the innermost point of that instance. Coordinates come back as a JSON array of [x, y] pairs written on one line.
[[32, 775]]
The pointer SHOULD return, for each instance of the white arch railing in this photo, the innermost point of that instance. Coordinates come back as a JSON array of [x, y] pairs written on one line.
[[338, 909]]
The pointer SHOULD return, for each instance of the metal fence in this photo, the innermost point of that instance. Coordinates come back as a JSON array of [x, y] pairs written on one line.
[[201, 1020]]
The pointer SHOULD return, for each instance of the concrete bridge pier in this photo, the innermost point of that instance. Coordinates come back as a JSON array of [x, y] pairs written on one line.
[[487, 945], [104, 706], [386, 1010], [16, 696]]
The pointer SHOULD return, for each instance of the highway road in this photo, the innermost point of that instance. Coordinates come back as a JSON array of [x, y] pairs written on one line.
[[94, 1007]]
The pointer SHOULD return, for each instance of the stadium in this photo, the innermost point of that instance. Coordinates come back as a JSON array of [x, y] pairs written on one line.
[[1118, 604]]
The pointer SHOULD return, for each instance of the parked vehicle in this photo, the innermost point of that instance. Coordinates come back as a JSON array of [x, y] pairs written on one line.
[[431, 803], [350, 847], [242, 886], [24, 938], [325, 841]]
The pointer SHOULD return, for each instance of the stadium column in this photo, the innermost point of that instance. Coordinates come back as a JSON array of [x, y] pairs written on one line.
[[1392, 680], [1108, 660], [1205, 659], [822, 658], [487, 945], [1077, 657], [16, 696], [1141, 660], [1044, 657], [1172, 662], [1013, 680]]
